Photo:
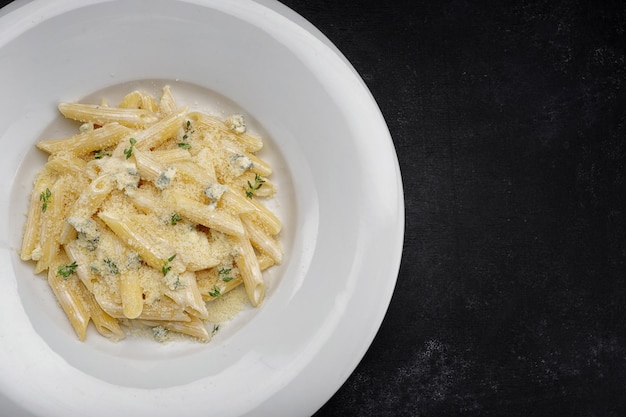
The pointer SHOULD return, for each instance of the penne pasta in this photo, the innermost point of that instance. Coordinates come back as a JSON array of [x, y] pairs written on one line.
[[85, 206], [259, 166], [261, 240], [195, 172], [80, 256], [161, 131], [202, 214], [266, 190], [212, 284], [265, 261], [139, 100], [150, 213], [250, 271], [237, 203], [167, 103], [51, 223], [172, 156], [150, 168], [205, 161], [152, 249], [249, 142], [131, 293], [185, 293], [265, 217], [32, 228], [194, 328], [83, 143], [66, 163], [164, 309], [100, 115], [106, 325], [68, 294]]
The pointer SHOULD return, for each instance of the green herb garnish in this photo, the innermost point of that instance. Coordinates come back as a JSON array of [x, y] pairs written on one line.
[[216, 291], [166, 264], [258, 183], [223, 274], [66, 270], [129, 151], [175, 218], [45, 198], [184, 145]]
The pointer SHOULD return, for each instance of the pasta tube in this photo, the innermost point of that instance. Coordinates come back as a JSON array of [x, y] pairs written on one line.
[[83, 143], [134, 118]]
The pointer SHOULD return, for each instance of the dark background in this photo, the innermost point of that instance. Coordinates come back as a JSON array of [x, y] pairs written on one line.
[[509, 123]]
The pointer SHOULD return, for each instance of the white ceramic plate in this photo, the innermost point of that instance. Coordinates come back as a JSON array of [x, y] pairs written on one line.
[[340, 199]]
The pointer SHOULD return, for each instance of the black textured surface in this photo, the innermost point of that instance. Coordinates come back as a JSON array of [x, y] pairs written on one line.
[[509, 123], [508, 120]]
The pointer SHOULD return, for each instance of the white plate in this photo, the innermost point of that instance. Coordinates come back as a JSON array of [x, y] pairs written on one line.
[[340, 199]]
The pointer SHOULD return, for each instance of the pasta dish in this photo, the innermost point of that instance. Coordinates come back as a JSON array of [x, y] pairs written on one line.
[[148, 214]]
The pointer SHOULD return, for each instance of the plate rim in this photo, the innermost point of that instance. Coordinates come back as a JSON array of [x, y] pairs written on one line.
[[394, 264]]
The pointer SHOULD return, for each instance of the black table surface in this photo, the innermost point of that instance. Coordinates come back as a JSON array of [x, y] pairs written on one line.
[[509, 121]]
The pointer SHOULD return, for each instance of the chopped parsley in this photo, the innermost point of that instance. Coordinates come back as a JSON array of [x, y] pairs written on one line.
[[216, 291], [166, 264], [66, 270], [175, 218], [216, 327], [224, 274], [129, 151], [258, 183], [184, 145], [44, 197]]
